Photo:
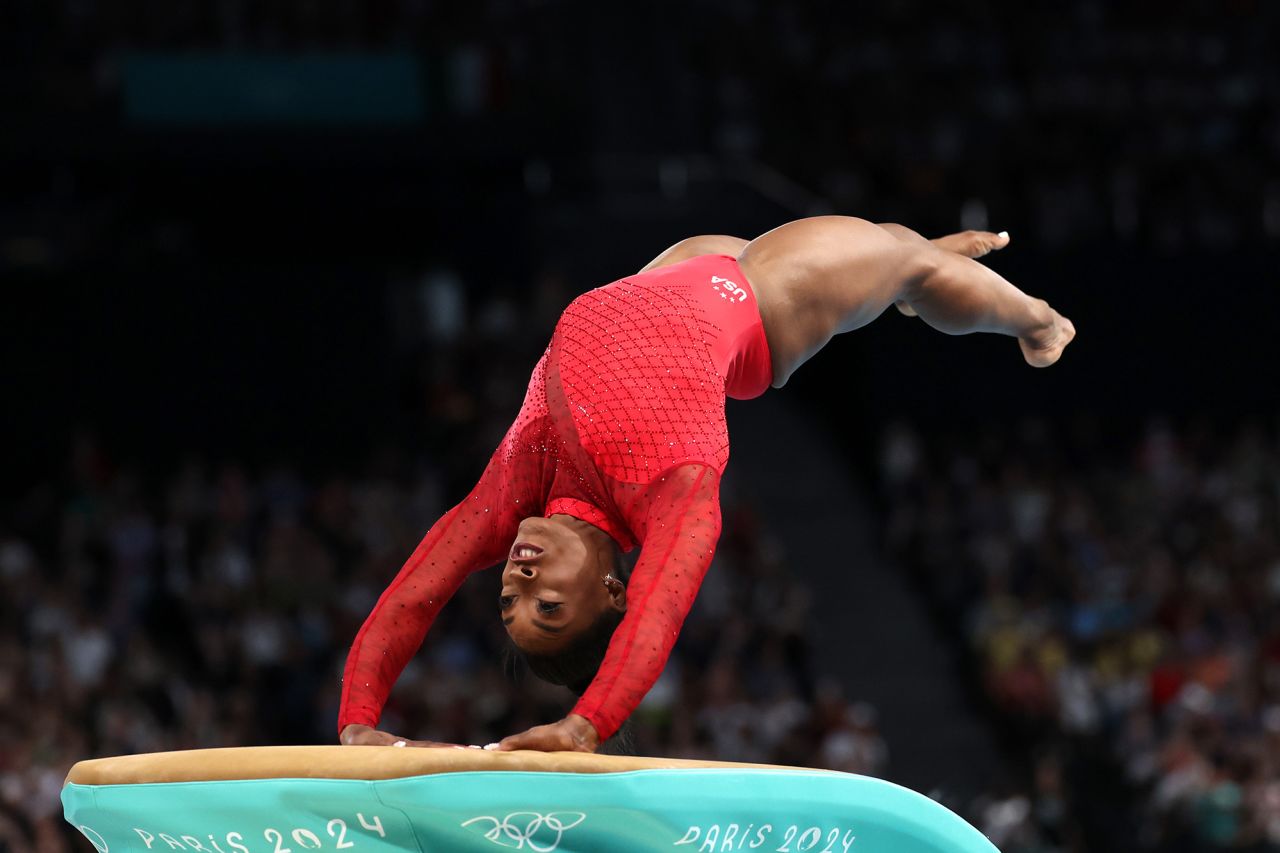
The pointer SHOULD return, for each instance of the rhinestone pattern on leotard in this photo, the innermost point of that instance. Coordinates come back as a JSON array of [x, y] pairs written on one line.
[[623, 425]]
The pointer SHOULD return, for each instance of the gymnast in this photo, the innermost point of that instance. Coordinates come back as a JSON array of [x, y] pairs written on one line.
[[621, 442]]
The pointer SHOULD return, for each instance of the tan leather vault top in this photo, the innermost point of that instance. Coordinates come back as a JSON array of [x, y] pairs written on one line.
[[360, 762]]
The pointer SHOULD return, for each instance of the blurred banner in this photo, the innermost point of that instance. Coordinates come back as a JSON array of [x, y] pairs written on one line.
[[277, 89]]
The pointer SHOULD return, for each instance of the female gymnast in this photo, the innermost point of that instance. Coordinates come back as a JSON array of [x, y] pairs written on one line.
[[621, 441]]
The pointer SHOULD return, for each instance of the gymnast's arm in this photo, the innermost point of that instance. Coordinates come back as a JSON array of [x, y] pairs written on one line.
[[473, 535], [682, 511], [692, 247]]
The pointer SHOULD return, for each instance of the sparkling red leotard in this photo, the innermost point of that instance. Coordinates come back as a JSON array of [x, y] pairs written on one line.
[[623, 427]]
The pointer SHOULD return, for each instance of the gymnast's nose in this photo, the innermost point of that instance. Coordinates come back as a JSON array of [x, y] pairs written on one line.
[[528, 571]]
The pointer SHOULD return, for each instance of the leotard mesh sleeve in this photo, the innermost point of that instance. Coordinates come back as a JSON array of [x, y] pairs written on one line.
[[473, 535], [682, 519]]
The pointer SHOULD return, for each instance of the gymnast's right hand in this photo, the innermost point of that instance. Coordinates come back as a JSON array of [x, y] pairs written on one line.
[[358, 735]]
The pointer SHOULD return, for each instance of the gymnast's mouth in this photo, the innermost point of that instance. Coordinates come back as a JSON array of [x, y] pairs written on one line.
[[524, 551]]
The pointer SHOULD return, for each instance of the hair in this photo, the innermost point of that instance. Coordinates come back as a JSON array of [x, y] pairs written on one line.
[[576, 664]]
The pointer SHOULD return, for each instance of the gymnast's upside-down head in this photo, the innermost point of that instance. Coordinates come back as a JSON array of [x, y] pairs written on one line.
[[563, 594]]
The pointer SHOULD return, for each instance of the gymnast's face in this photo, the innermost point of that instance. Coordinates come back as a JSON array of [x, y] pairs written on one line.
[[556, 582]]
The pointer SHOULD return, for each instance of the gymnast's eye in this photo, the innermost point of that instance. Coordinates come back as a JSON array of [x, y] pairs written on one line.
[[504, 601], [548, 606]]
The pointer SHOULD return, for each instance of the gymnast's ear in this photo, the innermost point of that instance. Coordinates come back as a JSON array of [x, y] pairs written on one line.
[[617, 593]]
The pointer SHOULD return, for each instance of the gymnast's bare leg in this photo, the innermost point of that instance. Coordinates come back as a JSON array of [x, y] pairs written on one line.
[[815, 278]]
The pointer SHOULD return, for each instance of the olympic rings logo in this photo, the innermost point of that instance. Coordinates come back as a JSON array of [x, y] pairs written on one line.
[[542, 833]]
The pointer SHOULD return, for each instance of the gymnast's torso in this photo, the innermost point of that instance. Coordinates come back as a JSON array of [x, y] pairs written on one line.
[[623, 427], [633, 384]]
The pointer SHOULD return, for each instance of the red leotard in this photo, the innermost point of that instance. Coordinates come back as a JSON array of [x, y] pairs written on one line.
[[623, 427]]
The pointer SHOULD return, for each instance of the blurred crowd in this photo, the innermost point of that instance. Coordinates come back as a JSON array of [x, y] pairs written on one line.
[[1121, 603], [1119, 597], [1138, 122], [208, 603]]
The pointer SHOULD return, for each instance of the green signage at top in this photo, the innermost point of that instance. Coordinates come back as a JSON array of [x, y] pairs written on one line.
[[258, 89]]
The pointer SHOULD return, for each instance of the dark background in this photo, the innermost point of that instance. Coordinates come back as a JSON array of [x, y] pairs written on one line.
[[153, 266], [222, 226]]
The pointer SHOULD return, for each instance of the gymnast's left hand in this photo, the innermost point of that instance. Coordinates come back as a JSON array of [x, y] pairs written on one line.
[[572, 734]]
